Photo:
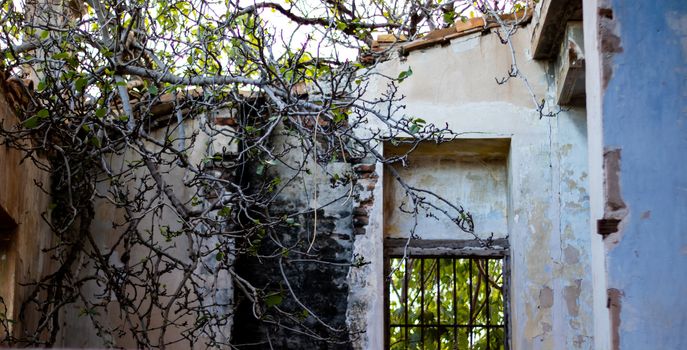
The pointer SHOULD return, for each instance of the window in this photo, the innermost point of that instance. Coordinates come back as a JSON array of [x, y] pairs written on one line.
[[445, 298]]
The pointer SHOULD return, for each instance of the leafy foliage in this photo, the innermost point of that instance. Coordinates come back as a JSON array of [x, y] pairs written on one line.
[[455, 299]]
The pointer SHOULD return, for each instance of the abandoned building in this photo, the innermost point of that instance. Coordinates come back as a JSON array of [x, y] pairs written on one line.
[[582, 202]]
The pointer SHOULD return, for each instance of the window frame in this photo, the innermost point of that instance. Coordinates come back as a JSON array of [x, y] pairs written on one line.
[[458, 249]]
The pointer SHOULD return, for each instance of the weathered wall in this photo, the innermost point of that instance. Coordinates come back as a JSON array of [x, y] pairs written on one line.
[[110, 222], [477, 183], [547, 200], [316, 274], [643, 117], [21, 258], [316, 266]]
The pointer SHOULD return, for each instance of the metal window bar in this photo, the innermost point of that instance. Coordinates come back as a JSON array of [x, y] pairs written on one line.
[[434, 326]]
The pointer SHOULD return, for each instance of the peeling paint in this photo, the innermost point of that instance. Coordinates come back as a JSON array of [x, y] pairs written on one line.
[[572, 255], [614, 200], [610, 42], [545, 298], [614, 306], [571, 294], [615, 207]]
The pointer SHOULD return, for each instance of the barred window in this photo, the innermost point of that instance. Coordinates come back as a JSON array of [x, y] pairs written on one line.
[[442, 301]]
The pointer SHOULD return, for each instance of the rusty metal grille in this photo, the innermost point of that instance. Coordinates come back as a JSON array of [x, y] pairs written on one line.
[[445, 303]]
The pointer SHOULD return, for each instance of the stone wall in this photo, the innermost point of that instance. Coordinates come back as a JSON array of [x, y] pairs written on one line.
[[310, 280]]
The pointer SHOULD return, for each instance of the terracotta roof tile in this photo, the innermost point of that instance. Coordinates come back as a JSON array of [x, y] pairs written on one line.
[[460, 28]]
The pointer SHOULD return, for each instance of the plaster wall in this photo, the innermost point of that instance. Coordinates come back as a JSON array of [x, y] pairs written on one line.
[[593, 82], [644, 116], [108, 224], [478, 184], [545, 179], [21, 257]]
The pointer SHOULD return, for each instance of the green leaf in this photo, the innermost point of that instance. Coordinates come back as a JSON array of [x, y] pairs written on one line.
[[339, 116], [224, 212], [153, 90], [405, 74], [414, 129], [449, 16], [100, 112], [95, 141], [31, 122], [80, 84], [60, 56], [304, 315], [273, 299], [43, 113], [219, 256]]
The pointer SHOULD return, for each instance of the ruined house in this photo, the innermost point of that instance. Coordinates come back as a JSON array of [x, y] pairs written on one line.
[[582, 204]]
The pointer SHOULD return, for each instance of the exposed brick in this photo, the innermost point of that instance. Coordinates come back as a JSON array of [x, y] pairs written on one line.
[[359, 231], [360, 211], [367, 201], [368, 176], [226, 121], [364, 168], [359, 221]]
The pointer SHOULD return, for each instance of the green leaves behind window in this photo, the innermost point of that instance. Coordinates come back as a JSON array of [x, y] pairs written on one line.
[[446, 303]]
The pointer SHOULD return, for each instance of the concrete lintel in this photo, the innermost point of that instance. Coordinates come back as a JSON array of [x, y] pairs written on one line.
[[550, 26], [570, 76], [482, 148], [431, 247]]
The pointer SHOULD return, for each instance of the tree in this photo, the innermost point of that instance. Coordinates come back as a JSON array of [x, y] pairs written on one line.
[[122, 93]]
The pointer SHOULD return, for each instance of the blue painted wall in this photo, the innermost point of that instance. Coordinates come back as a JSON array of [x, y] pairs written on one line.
[[645, 114]]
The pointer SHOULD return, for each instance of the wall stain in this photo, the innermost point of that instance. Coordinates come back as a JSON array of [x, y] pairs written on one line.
[[571, 255], [571, 294], [615, 209], [614, 305], [545, 298]]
